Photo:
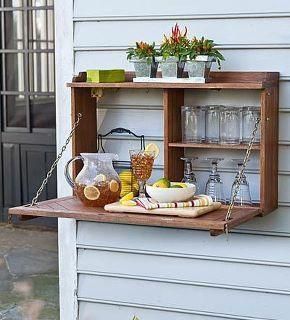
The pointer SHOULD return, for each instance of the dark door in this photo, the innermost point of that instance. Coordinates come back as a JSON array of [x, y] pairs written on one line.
[[27, 100]]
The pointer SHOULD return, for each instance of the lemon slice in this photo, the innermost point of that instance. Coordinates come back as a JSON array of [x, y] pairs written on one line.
[[100, 178], [152, 147], [114, 186], [128, 196], [129, 203], [91, 192]]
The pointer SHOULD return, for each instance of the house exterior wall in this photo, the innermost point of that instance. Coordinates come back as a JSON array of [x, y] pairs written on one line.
[[159, 273]]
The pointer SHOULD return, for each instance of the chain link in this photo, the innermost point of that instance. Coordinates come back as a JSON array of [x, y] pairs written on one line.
[[53, 166], [238, 180]]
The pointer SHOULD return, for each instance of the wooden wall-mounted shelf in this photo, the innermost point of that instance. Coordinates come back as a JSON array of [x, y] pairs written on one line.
[[84, 140], [218, 80], [211, 146]]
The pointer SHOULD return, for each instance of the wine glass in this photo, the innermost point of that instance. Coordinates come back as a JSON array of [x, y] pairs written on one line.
[[189, 175], [243, 197], [142, 164], [214, 185]]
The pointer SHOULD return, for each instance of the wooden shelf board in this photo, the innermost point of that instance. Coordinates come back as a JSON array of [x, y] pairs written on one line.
[[217, 80], [211, 145], [70, 207], [147, 85]]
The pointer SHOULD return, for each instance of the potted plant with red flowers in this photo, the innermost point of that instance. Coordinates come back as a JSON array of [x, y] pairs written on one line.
[[201, 54], [143, 57], [174, 49]]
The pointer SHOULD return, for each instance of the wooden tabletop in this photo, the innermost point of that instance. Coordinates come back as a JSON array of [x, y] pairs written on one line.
[[70, 207]]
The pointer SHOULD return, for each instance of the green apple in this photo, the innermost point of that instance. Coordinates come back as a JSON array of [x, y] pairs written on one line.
[[162, 183]]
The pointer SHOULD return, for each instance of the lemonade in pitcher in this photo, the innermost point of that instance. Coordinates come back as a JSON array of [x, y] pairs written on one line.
[[97, 184]]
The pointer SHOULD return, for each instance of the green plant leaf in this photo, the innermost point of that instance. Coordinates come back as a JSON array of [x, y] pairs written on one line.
[[142, 50], [175, 44], [204, 46]]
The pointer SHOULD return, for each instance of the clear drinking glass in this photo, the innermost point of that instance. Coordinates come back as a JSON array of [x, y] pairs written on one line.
[[142, 164], [249, 117], [229, 125], [214, 185], [189, 175], [243, 197], [192, 118], [212, 124]]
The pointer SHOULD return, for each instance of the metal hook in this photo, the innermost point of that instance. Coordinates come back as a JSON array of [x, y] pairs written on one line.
[[97, 93]]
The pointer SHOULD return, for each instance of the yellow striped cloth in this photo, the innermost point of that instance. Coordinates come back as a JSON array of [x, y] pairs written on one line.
[[201, 200]]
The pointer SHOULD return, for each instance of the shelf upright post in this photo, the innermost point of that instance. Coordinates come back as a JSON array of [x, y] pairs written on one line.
[[173, 99], [269, 148], [84, 139]]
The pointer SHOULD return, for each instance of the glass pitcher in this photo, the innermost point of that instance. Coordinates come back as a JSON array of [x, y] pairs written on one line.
[[97, 184]]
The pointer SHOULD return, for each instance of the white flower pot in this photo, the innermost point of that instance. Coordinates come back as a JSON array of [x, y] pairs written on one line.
[[199, 68], [171, 67], [145, 68]]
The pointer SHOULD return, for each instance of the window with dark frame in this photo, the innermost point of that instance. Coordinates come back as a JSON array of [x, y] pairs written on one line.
[[27, 65]]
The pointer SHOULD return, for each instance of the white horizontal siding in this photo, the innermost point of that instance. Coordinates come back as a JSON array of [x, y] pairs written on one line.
[[237, 60], [174, 8], [184, 296], [178, 242], [276, 223], [117, 311], [223, 31], [180, 269], [184, 270]]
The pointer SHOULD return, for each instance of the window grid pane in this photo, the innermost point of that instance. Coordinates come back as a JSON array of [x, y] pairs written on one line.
[[16, 112], [27, 56], [14, 28], [15, 80]]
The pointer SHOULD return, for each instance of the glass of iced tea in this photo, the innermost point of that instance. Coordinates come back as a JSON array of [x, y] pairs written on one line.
[[142, 164]]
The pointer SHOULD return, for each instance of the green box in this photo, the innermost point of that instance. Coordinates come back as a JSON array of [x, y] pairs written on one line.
[[117, 75]]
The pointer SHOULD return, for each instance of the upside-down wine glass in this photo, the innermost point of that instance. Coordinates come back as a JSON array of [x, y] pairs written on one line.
[[214, 185], [243, 197], [189, 175]]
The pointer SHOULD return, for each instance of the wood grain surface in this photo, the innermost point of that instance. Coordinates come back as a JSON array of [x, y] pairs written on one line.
[[218, 80], [70, 207], [211, 145], [192, 212]]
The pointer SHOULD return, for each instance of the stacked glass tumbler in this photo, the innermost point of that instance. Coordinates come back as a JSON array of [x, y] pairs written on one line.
[[249, 117], [192, 123], [219, 124]]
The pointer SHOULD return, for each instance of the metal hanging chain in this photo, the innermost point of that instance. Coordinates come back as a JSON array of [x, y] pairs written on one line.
[[238, 180], [53, 166]]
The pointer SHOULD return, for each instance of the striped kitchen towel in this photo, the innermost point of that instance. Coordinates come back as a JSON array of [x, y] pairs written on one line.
[[201, 200]]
